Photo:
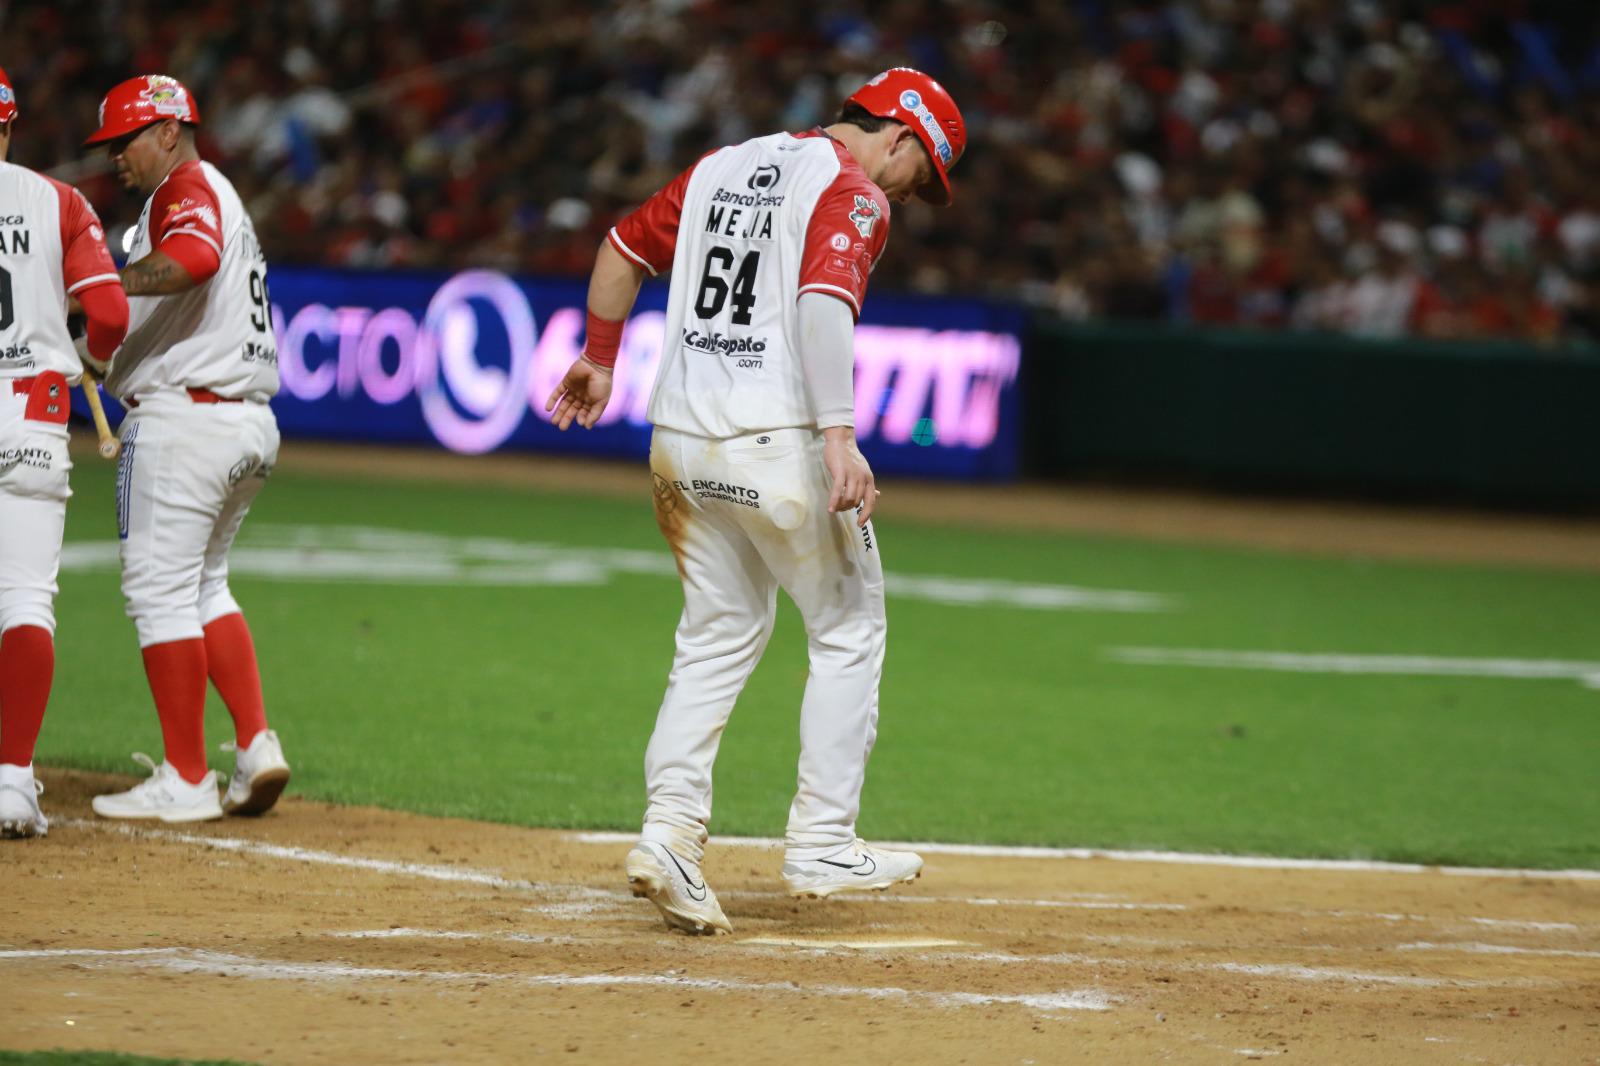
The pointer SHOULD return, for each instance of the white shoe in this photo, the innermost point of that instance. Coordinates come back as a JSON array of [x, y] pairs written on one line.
[[259, 775], [677, 888], [20, 816], [857, 868], [165, 795]]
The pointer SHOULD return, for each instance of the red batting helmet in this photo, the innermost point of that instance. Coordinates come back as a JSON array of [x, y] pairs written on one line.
[[911, 97], [138, 102], [8, 99]]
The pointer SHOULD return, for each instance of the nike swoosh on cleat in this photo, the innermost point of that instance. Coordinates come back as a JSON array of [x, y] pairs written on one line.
[[693, 888], [860, 869]]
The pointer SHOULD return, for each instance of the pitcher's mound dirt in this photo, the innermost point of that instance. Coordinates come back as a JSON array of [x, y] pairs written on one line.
[[330, 934]]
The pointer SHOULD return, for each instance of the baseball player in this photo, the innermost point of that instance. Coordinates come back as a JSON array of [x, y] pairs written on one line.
[[196, 371], [755, 464], [51, 247]]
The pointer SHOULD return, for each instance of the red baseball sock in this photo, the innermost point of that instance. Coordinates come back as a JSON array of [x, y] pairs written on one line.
[[177, 673], [231, 658], [27, 664]]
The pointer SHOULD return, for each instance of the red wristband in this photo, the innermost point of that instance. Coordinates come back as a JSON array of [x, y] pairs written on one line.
[[602, 338]]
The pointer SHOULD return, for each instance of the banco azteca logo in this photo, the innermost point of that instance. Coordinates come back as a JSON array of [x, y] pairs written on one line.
[[765, 176]]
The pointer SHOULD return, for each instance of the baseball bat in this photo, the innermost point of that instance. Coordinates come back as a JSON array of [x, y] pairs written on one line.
[[109, 445]]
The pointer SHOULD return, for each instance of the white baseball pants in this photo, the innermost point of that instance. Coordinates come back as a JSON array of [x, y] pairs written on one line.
[[745, 516], [34, 468], [188, 475]]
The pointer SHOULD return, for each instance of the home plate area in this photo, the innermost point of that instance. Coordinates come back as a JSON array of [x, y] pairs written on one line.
[[340, 934]]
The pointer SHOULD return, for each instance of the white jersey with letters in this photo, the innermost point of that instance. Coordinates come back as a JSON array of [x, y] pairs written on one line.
[[745, 231], [217, 335], [51, 245]]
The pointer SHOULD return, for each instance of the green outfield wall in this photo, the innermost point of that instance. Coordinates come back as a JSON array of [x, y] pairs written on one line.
[[1491, 423]]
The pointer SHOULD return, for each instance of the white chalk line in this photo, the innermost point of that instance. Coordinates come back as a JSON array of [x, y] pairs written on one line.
[[68, 953], [594, 899], [1082, 905], [387, 556], [1587, 673], [853, 944], [979, 901], [1182, 858], [919, 949], [1496, 923], [453, 934], [599, 897], [187, 960], [596, 902], [620, 908], [426, 871], [820, 944], [1182, 945], [1500, 949], [1519, 923], [1291, 971], [195, 960]]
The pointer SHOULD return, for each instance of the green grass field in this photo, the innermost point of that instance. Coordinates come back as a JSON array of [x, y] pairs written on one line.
[[505, 662]]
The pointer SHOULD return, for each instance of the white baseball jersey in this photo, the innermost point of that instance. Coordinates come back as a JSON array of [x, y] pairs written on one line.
[[51, 244], [745, 231], [217, 335]]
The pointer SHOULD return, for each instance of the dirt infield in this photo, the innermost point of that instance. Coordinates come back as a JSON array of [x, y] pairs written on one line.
[[326, 934]]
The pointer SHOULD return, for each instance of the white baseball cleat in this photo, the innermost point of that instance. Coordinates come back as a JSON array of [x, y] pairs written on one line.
[[259, 775], [165, 795], [20, 816], [677, 888], [857, 868]]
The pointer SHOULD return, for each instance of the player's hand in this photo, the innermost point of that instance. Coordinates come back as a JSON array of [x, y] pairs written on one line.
[[95, 368], [581, 397], [852, 477]]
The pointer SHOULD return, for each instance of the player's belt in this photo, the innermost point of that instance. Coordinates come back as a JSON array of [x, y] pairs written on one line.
[[207, 396], [196, 396]]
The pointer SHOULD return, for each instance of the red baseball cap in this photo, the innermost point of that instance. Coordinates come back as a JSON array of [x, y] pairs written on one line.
[[8, 98], [911, 97], [137, 102]]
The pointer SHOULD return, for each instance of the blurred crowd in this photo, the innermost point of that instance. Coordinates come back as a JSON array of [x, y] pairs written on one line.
[[1368, 166]]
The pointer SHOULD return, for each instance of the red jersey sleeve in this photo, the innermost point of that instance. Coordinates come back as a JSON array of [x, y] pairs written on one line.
[[649, 235], [185, 205], [846, 234], [84, 258], [194, 253]]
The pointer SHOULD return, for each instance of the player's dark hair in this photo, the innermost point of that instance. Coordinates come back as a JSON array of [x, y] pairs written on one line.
[[856, 115]]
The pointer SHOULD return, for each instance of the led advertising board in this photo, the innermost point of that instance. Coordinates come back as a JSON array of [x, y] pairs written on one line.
[[467, 360]]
